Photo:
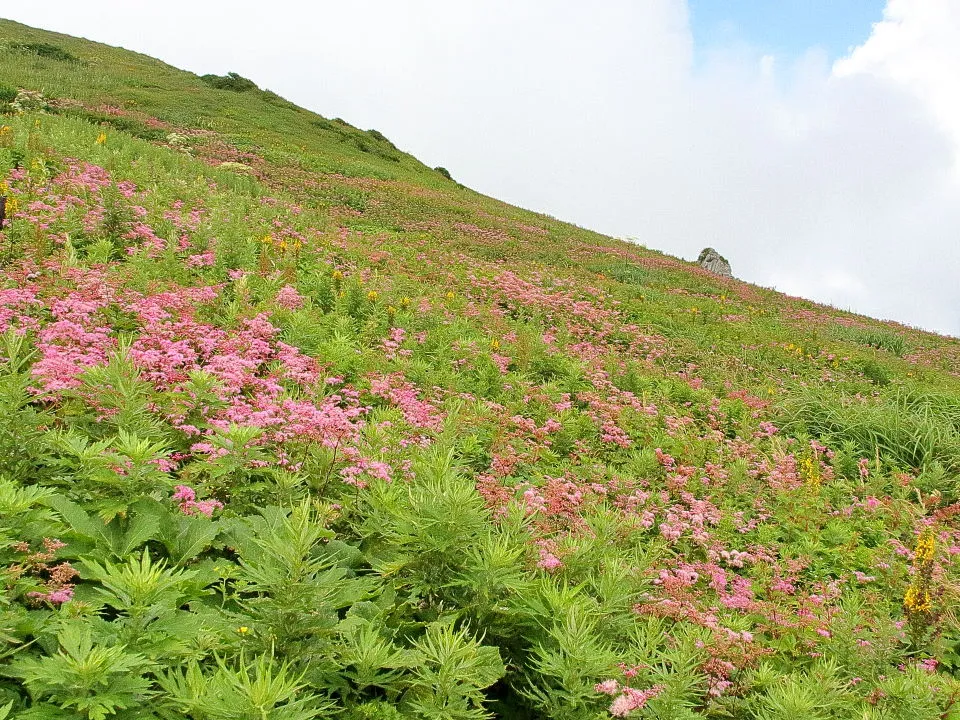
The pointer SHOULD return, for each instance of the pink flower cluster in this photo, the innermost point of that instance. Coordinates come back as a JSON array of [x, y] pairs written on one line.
[[628, 699], [186, 496]]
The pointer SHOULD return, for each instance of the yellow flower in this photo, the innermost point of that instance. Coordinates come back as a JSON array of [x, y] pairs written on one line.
[[372, 295], [243, 629], [810, 469], [337, 275], [391, 310], [494, 344], [450, 295], [926, 548], [101, 138], [404, 302], [917, 599], [267, 239]]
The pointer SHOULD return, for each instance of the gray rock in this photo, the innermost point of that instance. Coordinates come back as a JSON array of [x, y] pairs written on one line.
[[713, 261]]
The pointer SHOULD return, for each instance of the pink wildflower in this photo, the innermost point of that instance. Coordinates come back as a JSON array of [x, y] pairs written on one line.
[[289, 298]]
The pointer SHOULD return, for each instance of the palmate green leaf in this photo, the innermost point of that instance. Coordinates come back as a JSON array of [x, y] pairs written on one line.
[[119, 536], [184, 537], [368, 659], [452, 672], [139, 583], [258, 689], [279, 546], [20, 508], [293, 587], [95, 680], [126, 396], [416, 532]]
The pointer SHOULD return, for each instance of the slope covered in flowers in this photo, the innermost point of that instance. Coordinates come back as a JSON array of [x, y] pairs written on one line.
[[293, 426]]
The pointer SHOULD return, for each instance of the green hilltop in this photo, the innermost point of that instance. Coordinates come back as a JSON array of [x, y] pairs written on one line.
[[294, 426]]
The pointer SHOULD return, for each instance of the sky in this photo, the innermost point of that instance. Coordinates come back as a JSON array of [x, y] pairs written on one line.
[[784, 27], [814, 143]]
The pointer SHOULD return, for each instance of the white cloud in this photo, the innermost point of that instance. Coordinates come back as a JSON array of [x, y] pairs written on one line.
[[837, 183], [918, 46]]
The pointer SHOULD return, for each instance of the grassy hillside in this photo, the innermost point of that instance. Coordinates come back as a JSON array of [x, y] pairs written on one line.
[[293, 426]]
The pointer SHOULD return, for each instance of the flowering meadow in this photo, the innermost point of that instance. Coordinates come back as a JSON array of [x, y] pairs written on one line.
[[293, 426]]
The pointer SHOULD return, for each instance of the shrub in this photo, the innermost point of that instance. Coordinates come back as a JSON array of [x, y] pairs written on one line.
[[380, 137], [874, 372], [231, 81], [443, 171], [47, 50]]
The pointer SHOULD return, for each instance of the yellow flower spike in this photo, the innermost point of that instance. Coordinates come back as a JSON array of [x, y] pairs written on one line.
[[243, 629], [101, 138], [337, 275], [267, 239], [494, 344], [404, 302], [926, 547], [372, 295], [450, 295]]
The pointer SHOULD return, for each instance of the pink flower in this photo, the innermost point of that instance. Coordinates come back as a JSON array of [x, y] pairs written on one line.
[[633, 699], [184, 493], [607, 687], [58, 597], [204, 507], [55, 597], [289, 298], [549, 561], [189, 505], [206, 259]]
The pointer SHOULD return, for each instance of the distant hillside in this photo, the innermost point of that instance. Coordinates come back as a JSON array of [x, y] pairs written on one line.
[[294, 426]]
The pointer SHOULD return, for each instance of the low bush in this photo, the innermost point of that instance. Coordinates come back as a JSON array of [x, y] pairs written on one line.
[[231, 81], [47, 50]]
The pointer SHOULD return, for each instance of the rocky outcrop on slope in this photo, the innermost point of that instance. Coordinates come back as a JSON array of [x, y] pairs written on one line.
[[713, 261]]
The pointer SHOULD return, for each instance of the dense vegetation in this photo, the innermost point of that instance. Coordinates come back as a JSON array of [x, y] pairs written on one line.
[[293, 426]]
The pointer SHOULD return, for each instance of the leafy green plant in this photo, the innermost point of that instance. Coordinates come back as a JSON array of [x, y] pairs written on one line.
[[452, 672], [231, 81], [85, 678], [256, 689]]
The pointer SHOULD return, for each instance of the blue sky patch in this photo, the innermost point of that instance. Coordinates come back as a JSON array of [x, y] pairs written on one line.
[[784, 27]]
